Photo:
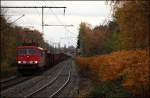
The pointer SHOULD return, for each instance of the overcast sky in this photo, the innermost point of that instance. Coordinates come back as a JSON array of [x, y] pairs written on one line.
[[92, 12]]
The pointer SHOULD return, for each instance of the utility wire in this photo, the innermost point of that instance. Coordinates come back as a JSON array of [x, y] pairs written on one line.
[[16, 20], [107, 17], [46, 12], [38, 12], [59, 19]]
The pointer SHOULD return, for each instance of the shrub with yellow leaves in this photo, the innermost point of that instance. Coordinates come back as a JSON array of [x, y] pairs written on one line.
[[133, 64]]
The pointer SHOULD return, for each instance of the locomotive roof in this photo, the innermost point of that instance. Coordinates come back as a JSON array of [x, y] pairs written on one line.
[[35, 47]]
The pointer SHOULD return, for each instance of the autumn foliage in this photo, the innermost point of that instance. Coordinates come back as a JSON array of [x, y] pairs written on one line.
[[128, 30], [118, 49], [12, 36], [132, 65]]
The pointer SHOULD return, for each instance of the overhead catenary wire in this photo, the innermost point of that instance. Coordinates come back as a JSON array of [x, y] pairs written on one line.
[[40, 14], [107, 17], [62, 24], [15, 20], [58, 18]]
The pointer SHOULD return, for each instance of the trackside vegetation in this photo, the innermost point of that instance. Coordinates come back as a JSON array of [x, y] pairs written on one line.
[[11, 37], [117, 54]]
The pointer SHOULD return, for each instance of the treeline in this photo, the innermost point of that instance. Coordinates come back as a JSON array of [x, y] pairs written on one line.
[[128, 30], [112, 55], [13, 36]]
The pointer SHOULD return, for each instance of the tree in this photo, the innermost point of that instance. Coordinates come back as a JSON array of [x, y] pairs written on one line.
[[81, 38], [133, 20]]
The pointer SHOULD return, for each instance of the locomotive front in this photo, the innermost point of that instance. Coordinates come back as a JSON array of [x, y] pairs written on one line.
[[30, 57]]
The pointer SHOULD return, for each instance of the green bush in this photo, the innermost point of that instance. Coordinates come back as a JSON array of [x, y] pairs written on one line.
[[111, 89], [113, 44]]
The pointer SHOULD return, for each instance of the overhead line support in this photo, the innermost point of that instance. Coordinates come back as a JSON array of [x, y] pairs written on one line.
[[30, 7], [42, 7]]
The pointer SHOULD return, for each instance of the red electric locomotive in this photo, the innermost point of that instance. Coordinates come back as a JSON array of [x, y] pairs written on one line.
[[30, 57]]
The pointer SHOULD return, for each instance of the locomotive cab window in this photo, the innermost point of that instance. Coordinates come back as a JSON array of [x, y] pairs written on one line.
[[27, 52], [22, 52], [32, 51]]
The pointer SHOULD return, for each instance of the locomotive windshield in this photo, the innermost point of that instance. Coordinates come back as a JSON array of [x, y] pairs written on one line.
[[31, 51], [27, 52], [22, 51]]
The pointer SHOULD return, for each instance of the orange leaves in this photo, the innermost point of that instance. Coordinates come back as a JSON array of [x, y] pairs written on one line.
[[133, 64], [132, 18]]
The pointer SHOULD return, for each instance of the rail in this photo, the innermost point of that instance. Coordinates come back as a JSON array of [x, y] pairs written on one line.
[[9, 79], [61, 86], [49, 83]]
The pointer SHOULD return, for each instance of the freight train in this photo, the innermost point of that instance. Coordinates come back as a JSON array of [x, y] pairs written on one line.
[[32, 57]]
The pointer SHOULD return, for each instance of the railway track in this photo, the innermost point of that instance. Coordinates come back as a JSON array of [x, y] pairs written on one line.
[[41, 88], [51, 84], [59, 90], [48, 85], [8, 79], [5, 84]]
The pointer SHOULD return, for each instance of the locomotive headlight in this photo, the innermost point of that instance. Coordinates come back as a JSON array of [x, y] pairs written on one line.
[[24, 62], [19, 62], [35, 62], [31, 62]]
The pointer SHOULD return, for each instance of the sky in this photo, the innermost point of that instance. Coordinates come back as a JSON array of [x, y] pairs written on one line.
[[91, 12]]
